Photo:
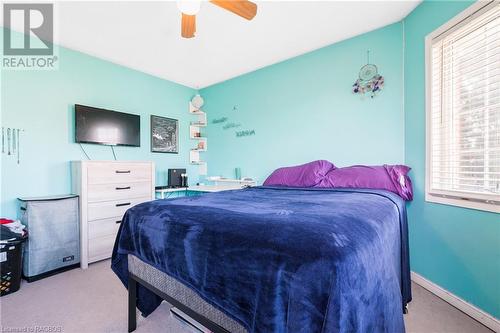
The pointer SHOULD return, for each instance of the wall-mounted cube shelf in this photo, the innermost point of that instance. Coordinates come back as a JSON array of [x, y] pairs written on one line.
[[195, 134]]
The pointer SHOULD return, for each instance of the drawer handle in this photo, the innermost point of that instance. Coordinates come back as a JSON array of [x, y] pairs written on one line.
[[123, 204], [122, 188], [118, 222], [122, 171]]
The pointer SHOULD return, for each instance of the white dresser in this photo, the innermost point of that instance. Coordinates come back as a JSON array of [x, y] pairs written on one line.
[[107, 189]]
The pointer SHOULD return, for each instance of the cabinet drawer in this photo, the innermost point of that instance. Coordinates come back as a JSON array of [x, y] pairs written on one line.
[[118, 191], [109, 173], [109, 209], [106, 227], [101, 248]]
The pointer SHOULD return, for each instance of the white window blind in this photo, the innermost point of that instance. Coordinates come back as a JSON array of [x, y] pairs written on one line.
[[464, 140]]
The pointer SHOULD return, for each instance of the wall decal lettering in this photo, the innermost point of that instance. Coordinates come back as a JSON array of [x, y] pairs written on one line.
[[230, 125], [219, 120], [245, 133]]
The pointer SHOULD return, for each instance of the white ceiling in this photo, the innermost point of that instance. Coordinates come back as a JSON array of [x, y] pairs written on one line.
[[146, 35]]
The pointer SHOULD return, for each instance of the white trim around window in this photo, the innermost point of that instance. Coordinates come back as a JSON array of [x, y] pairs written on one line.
[[483, 197]]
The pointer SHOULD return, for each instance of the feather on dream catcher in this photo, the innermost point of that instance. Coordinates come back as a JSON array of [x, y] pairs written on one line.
[[369, 80]]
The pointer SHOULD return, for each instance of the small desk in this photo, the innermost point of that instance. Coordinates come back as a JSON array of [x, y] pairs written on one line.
[[198, 189], [234, 183], [213, 188], [170, 191]]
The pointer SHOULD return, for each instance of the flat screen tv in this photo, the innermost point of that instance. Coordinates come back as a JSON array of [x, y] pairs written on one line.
[[106, 127]]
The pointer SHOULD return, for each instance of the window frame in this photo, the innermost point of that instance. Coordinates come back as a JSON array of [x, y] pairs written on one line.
[[454, 198]]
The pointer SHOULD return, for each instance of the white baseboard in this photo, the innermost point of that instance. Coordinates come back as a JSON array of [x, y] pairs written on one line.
[[467, 308]]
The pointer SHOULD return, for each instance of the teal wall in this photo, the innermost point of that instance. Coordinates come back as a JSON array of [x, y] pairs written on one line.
[[303, 109], [42, 102], [456, 248]]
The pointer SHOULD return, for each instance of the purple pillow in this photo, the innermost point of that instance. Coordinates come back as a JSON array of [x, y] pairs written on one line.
[[392, 178], [305, 175]]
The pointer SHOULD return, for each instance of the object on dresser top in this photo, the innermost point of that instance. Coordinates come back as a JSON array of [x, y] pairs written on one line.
[[53, 245], [107, 190]]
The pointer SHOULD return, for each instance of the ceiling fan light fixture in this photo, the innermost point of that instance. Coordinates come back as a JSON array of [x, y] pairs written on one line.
[[189, 7]]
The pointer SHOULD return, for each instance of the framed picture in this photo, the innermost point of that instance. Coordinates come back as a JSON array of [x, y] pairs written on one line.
[[164, 135]]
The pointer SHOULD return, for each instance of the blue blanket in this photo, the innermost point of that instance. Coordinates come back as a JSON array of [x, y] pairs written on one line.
[[279, 259]]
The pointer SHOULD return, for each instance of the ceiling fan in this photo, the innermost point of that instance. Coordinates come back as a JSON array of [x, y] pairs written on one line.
[[189, 9]]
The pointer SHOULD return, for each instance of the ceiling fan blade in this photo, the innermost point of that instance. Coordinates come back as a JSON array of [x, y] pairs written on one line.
[[188, 27], [243, 8]]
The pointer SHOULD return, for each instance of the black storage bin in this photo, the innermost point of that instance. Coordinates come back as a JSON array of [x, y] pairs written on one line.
[[11, 263]]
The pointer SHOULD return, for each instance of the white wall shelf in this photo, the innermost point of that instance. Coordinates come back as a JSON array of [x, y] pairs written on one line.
[[195, 134]]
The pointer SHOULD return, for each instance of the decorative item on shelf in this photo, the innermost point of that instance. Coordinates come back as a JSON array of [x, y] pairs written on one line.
[[201, 145], [197, 101], [369, 81], [164, 135]]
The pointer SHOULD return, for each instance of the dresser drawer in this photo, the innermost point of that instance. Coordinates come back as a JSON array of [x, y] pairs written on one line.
[[106, 227], [101, 248], [109, 209], [118, 191], [111, 173]]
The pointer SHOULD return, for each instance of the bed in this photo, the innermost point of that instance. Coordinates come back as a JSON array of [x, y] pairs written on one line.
[[270, 259]]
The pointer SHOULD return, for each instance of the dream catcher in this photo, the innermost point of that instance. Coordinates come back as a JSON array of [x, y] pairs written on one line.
[[369, 81]]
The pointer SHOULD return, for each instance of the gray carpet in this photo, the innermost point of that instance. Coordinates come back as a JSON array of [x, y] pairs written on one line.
[[95, 301]]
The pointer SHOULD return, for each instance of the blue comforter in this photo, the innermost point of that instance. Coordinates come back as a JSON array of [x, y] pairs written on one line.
[[279, 259]]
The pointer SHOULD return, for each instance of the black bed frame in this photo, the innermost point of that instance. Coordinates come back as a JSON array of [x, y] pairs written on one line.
[[132, 303]]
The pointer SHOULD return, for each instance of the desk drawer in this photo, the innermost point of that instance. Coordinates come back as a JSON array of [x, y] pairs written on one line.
[[119, 191], [111, 173], [101, 248], [106, 227], [109, 209]]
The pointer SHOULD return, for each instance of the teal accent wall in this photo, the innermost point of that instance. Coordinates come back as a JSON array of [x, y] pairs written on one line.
[[303, 109], [456, 248], [42, 103]]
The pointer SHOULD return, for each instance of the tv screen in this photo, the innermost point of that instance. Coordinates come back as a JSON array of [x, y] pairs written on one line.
[[106, 127]]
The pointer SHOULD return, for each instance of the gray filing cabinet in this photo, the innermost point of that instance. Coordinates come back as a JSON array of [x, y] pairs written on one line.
[[54, 237]]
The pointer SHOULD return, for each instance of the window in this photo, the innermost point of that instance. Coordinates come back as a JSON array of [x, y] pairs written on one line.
[[463, 110]]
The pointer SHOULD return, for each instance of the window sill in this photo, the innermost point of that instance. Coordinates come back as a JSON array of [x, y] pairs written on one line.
[[462, 202]]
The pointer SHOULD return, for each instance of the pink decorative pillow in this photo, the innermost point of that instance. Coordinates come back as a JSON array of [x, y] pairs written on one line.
[[392, 178], [305, 175]]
